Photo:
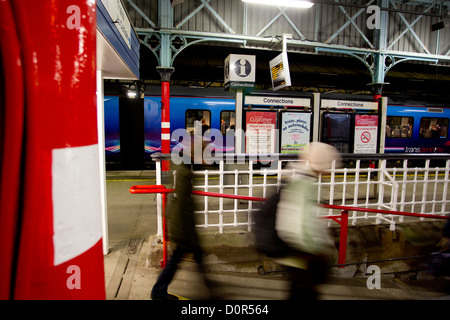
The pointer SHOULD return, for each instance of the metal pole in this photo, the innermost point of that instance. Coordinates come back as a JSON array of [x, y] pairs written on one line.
[[343, 238], [165, 239], [165, 121], [102, 167], [239, 146], [159, 218]]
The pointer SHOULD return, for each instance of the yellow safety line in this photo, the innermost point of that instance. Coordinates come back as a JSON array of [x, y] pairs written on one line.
[[272, 177], [180, 297]]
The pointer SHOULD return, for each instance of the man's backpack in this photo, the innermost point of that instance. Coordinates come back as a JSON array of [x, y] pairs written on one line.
[[266, 237]]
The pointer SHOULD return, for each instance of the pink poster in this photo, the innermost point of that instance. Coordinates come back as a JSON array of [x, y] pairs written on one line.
[[366, 132], [260, 132]]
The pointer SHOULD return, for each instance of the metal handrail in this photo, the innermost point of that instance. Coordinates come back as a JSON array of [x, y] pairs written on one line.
[[287, 156], [342, 219]]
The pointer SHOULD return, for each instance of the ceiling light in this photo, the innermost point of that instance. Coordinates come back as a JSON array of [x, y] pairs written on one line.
[[283, 3]]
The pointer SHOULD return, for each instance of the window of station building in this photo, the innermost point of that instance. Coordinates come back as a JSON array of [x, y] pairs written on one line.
[[227, 121], [433, 128], [399, 127], [197, 121]]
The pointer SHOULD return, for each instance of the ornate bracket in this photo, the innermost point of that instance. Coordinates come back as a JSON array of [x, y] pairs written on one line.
[[377, 63], [176, 44]]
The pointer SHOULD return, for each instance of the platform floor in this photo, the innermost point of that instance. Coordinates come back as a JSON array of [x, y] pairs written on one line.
[[132, 220]]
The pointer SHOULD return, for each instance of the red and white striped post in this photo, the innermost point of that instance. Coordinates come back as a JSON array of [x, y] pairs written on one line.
[[59, 242], [165, 74]]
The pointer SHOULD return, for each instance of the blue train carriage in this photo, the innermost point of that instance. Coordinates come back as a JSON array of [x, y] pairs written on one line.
[[411, 129], [214, 116]]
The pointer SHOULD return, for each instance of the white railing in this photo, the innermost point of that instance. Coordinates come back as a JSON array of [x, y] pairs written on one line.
[[388, 182]]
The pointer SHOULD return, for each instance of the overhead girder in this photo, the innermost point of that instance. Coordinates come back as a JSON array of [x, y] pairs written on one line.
[[166, 41]]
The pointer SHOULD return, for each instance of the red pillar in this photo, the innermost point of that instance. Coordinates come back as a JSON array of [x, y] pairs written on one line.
[[165, 123], [59, 245], [11, 140], [165, 73]]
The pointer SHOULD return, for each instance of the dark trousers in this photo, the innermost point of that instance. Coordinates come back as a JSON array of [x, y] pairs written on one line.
[[304, 282], [166, 276]]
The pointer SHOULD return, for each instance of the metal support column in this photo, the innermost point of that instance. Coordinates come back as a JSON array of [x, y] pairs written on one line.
[[240, 143], [379, 58], [165, 70]]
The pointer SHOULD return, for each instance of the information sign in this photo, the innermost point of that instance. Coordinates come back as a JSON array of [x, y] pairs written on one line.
[[260, 132], [366, 132]]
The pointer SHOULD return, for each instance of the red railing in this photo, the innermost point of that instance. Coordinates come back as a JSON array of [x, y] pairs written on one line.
[[142, 189], [342, 219]]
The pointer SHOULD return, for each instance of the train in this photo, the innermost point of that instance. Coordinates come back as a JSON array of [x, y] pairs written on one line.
[[417, 129], [408, 129]]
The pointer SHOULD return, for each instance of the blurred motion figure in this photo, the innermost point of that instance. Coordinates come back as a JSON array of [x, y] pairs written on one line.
[[182, 230], [298, 226]]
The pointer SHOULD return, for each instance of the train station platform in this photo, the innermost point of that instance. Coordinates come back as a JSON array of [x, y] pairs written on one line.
[[241, 273]]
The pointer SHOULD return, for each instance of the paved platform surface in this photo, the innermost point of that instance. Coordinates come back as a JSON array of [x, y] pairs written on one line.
[[132, 220]]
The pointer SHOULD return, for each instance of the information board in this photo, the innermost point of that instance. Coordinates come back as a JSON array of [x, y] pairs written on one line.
[[366, 132], [279, 71], [260, 132]]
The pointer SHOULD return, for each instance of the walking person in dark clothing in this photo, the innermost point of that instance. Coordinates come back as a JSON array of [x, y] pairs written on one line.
[[182, 233]]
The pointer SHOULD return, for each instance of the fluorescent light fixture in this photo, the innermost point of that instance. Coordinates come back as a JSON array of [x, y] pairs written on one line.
[[283, 3]]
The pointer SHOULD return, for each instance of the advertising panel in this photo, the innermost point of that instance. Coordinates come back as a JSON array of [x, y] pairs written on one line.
[[295, 132]]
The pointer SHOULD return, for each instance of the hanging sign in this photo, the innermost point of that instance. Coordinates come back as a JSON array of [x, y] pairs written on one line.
[[119, 16], [366, 132], [260, 132], [295, 132], [240, 71], [279, 71]]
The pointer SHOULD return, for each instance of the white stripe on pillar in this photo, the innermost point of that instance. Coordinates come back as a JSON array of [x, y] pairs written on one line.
[[77, 221]]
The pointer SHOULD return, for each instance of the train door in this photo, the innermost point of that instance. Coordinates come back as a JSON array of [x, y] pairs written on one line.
[[227, 129], [132, 137]]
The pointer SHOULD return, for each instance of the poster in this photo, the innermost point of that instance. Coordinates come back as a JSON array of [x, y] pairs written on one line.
[[366, 132], [260, 132], [295, 132]]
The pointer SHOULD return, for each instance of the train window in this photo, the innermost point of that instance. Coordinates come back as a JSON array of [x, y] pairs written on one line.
[[433, 128], [227, 121], [399, 127], [197, 120]]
